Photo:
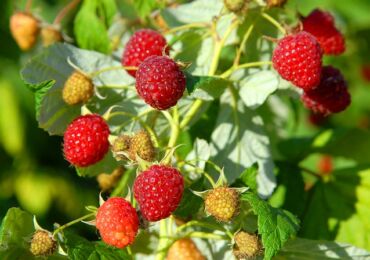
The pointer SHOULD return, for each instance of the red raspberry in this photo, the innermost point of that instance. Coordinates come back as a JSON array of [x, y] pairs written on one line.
[[117, 222], [160, 82], [297, 58], [365, 71], [317, 119], [142, 44], [86, 140], [158, 191], [321, 25], [331, 96]]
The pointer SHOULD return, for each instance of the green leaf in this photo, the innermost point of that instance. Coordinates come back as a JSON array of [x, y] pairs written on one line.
[[249, 177], [256, 88], [80, 248], [107, 165], [109, 10], [90, 30], [305, 249], [46, 73], [276, 226], [190, 203], [145, 7], [239, 140], [339, 206], [15, 233], [196, 11], [205, 87], [199, 155]]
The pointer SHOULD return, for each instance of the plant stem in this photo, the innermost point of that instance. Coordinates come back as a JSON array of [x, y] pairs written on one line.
[[274, 22], [28, 6], [184, 27], [122, 184], [207, 235], [65, 11], [94, 74], [227, 73], [72, 223], [312, 173], [162, 243], [175, 131], [240, 49]]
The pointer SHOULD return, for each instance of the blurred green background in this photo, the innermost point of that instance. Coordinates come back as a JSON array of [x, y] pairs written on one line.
[[33, 172]]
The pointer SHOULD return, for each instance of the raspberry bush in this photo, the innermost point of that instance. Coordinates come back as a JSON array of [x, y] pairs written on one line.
[[187, 116]]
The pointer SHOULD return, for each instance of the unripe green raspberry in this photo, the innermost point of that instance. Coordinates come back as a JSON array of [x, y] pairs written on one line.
[[236, 6], [141, 145], [50, 35], [222, 203], [121, 144], [247, 246], [43, 243], [77, 89]]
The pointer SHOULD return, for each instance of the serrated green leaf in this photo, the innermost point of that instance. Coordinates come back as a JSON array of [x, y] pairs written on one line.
[[340, 206], [205, 87], [256, 88], [80, 248], [96, 36], [276, 226], [109, 10], [51, 66], [107, 165], [249, 177], [239, 140], [305, 249]]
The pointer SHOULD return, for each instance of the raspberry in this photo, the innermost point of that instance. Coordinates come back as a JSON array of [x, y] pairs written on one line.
[[50, 35], [222, 203], [141, 145], [297, 58], [108, 181], [158, 191], [160, 82], [142, 44], [86, 140], [24, 28], [321, 25], [236, 6], [247, 246], [121, 144], [117, 222], [330, 96], [184, 249], [77, 89], [43, 243], [365, 72]]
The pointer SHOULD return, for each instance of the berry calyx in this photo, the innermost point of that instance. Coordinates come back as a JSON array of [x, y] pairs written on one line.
[[247, 246], [77, 89], [50, 35], [86, 140], [143, 44], [222, 203], [141, 145], [160, 82], [330, 96], [297, 58], [24, 28], [158, 191], [121, 146], [184, 249], [321, 25], [117, 222], [275, 3], [43, 243]]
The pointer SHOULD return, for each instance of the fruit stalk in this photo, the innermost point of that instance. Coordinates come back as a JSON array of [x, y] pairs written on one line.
[[65, 11], [72, 223]]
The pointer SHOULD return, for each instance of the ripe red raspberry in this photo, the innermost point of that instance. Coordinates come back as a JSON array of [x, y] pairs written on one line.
[[158, 191], [160, 82], [321, 25], [117, 222], [297, 58], [330, 96], [142, 44], [86, 140]]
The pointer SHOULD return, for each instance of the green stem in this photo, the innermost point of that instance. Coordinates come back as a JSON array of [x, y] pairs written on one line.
[[207, 236], [240, 49], [72, 223], [199, 224], [129, 87], [121, 185], [227, 73], [94, 74], [274, 22], [162, 243], [175, 131], [186, 26]]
